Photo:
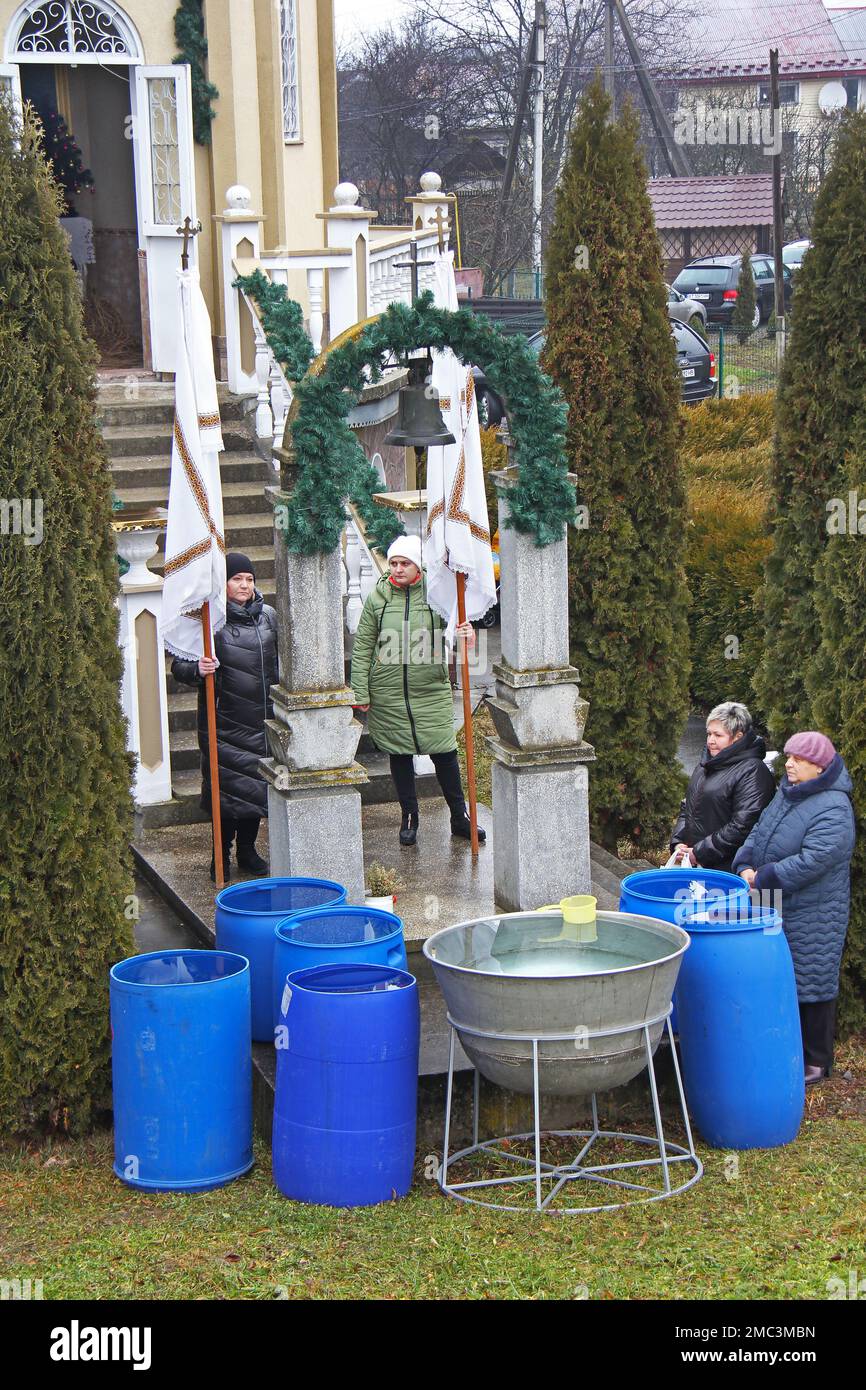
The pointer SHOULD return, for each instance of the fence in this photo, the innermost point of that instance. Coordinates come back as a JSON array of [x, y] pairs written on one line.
[[746, 363]]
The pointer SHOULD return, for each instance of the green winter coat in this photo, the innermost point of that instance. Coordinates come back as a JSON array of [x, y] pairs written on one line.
[[399, 669]]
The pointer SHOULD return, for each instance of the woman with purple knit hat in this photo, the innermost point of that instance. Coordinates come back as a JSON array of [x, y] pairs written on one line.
[[802, 847]]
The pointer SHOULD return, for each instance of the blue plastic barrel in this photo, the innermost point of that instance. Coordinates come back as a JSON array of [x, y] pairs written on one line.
[[739, 1025], [347, 1085], [182, 1069], [246, 915], [664, 893], [342, 934]]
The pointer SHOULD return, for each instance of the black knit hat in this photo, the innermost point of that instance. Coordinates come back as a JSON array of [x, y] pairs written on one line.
[[236, 563]]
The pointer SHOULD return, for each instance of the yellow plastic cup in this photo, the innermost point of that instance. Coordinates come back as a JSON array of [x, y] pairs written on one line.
[[579, 909]]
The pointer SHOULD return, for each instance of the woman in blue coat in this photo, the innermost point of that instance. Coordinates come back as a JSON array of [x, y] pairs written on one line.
[[802, 847]]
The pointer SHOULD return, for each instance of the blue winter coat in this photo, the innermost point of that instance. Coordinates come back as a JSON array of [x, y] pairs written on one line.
[[802, 845]]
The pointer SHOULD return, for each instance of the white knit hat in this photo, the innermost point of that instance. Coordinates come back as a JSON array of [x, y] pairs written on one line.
[[409, 547]]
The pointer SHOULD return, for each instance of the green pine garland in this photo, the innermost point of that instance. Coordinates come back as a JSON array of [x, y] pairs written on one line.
[[332, 465], [189, 33]]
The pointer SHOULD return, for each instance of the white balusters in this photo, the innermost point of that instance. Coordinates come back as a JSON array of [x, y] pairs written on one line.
[[264, 356], [315, 290], [281, 399], [354, 602]]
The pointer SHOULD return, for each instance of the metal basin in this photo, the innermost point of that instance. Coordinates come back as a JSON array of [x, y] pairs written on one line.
[[506, 979]]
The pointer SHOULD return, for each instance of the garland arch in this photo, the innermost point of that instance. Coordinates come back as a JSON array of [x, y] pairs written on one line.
[[331, 463]]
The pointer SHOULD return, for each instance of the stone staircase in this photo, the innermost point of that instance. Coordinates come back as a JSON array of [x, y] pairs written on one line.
[[137, 435]]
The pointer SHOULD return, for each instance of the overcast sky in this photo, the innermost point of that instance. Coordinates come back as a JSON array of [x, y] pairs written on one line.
[[353, 17], [357, 16]]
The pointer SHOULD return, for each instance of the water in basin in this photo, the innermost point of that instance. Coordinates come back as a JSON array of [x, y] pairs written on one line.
[[544, 946]]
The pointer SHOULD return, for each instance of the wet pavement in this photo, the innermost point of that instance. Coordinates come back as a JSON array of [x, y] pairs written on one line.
[[158, 927]]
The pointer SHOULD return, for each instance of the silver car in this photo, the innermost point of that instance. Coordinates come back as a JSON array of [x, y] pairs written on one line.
[[686, 310]]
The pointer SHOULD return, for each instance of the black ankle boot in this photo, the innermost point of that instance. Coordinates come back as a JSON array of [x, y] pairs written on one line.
[[227, 873], [462, 826], [409, 828], [251, 861]]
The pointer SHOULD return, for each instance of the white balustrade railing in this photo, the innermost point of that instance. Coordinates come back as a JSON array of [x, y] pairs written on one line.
[[361, 570], [360, 271]]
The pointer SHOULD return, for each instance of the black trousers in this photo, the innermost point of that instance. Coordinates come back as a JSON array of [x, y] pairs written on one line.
[[447, 774], [818, 1024], [246, 828]]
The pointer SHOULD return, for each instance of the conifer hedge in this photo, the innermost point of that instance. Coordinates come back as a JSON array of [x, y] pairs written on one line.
[[609, 348], [814, 671], [65, 810]]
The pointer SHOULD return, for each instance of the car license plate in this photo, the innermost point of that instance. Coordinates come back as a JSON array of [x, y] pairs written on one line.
[[687, 371], [699, 296]]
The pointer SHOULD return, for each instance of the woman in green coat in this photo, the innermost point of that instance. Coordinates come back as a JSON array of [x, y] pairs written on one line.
[[400, 675]]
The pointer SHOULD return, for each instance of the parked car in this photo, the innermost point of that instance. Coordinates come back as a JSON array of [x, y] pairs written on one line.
[[793, 253], [714, 281], [695, 360], [686, 310], [701, 361]]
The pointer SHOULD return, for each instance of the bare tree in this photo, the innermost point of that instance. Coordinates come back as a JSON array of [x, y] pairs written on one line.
[[412, 95]]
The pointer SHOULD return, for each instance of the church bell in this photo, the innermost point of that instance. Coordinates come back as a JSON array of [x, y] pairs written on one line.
[[419, 419]]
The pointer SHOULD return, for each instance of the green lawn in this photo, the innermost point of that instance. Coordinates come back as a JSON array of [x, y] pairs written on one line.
[[792, 1219]]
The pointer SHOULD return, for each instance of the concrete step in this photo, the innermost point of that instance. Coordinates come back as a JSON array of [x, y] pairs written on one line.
[[124, 441], [182, 710], [238, 498], [184, 750], [148, 470], [155, 409], [183, 809], [245, 531], [262, 557]]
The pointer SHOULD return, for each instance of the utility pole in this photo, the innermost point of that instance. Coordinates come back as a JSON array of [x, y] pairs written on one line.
[[538, 143], [778, 232], [514, 142], [608, 58], [675, 156]]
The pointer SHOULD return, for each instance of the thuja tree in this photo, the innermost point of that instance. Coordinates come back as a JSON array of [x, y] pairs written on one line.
[[64, 802], [829, 365], [609, 348], [819, 437], [743, 316]]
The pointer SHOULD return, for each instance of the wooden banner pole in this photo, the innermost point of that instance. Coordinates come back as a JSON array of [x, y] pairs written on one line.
[[210, 696], [467, 716]]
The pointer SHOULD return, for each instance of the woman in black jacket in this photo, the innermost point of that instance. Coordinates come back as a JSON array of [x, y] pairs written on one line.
[[727, 791], [245, 668]]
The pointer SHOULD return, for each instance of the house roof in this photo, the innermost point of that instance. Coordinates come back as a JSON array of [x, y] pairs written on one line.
[[850, 27], [733, 38], [736, 200]]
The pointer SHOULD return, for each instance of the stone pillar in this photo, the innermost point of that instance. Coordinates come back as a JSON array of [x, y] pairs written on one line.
[[314, 806], [540, 767], [347, 228]]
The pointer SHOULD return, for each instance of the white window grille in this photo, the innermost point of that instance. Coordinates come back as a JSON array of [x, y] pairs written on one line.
[[81, 30], [289, 57], [164, 150]]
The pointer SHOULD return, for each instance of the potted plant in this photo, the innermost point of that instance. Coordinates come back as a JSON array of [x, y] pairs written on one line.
[[382, 885]]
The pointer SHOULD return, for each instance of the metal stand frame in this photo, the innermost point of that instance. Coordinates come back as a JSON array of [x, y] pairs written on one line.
[[578, 1168]]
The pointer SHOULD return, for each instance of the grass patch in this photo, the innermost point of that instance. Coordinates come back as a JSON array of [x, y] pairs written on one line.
[[791, 1220]]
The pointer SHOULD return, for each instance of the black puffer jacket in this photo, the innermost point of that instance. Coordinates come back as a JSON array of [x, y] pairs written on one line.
[[725, 797], [246, 649]]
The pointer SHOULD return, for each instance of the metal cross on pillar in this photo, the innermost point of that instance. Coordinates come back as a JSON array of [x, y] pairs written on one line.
[[412, 265], [441, 228]]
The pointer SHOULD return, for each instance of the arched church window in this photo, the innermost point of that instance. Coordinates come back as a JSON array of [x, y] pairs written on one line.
[[86, 30]]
